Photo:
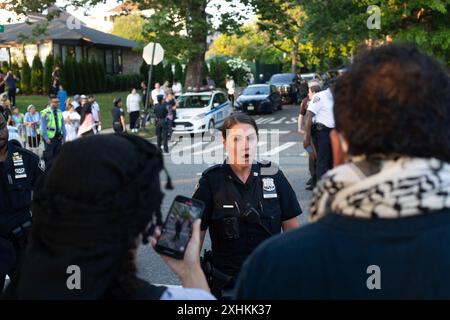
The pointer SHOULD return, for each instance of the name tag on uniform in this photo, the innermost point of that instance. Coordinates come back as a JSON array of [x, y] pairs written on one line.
[[269, 190], [228, 206]]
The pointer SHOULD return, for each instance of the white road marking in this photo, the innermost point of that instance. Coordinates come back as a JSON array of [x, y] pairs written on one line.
[[278, 149]]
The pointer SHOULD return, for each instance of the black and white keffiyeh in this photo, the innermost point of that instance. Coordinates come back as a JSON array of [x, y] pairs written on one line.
[[385, 189]]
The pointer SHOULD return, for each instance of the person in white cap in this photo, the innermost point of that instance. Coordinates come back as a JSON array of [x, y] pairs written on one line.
[[32, 121]]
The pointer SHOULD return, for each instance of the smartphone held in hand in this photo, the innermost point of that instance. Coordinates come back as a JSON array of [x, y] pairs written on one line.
[[177, 228]]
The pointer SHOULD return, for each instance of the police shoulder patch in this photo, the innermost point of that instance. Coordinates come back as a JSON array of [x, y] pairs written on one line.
[[316, 99]]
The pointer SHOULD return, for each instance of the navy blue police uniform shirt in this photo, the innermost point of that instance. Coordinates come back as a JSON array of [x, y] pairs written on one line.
[[18, 175], [341, 257], [290, 208], [231, 260]]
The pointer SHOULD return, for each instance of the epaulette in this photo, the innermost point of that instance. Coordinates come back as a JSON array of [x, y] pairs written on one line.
[[212, 168]]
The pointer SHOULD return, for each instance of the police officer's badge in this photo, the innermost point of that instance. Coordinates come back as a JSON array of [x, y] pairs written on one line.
[[41, 165], [269, 188]]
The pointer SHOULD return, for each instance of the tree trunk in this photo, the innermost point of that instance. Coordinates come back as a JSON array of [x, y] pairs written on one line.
[[294, 58], [198, 31], [195, 67]]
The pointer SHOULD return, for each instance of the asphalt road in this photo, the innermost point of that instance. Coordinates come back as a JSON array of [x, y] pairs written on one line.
[[279, 142]]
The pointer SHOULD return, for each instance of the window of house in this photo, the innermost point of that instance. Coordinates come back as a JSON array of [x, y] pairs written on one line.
[[109, 62]]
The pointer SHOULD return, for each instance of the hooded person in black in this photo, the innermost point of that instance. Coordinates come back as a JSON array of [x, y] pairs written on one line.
[[93, 220]]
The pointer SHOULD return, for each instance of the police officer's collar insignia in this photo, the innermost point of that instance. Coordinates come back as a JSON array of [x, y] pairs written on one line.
[[255, 174], [42, 165], [316, 99], [268, 184]]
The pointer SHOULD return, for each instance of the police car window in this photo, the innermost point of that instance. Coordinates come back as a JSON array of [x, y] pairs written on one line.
[[219, 98], [200, 101], [256, 90]]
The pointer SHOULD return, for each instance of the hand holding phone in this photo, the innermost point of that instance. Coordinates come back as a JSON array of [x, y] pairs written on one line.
[[188, 270], [177, 228]]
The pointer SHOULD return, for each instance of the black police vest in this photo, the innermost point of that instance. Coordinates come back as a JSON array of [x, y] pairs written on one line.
[[161, 111], [233, 236], [16, 185]]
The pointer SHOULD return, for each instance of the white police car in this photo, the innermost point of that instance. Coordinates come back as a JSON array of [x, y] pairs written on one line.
[[14, 136], [201, 112]]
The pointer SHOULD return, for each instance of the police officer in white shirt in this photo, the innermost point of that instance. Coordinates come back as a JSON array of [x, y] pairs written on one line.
[[319, 128]]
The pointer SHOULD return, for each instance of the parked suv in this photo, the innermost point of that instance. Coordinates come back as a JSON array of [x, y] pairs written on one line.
[[289, 86]]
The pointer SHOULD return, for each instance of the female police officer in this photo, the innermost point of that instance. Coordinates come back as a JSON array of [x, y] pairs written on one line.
[[246, 202]]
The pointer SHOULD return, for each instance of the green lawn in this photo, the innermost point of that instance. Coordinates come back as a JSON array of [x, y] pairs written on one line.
[[105, 100]]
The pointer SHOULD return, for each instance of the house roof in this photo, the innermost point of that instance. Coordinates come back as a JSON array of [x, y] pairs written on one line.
[[124, 8], [64, 27]]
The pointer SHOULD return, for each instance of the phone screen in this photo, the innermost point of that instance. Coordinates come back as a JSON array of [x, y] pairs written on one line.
[[177, 228]]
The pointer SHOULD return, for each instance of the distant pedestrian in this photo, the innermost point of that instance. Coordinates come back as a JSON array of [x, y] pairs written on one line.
[[133, 107], [32, 123], [5, 109], [96, 114], [82, 104], [87, 126], [171, 113], [165, 87], [17, 118], [62, 96], [156, 92], [118, 116], [53, 130], [71, 123], [210, 83], [161, 113], [53, 89], [76, 103], [11, 83], [231, 89], [177, 88], [144, 92], [56, 75]]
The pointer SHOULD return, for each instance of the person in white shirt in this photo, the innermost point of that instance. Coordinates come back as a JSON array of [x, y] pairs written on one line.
[[75, 102], [177, 88], [156, 92], [95, 114], [231, 89], [321, 108], [165, 87], [71, 122], [133, 107]]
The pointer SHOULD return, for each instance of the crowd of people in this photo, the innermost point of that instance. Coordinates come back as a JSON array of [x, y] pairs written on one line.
[[384, 205]]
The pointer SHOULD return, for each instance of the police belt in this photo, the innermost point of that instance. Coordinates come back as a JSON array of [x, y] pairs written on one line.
[[319, 127], [217, 280]]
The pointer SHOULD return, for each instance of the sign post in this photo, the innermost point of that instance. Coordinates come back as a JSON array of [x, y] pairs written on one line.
[[153, 54]]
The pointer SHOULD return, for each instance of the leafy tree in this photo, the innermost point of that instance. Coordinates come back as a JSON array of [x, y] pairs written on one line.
[[129, 27], [26, 77], [168, 74], [178, 72], [37, 75]]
